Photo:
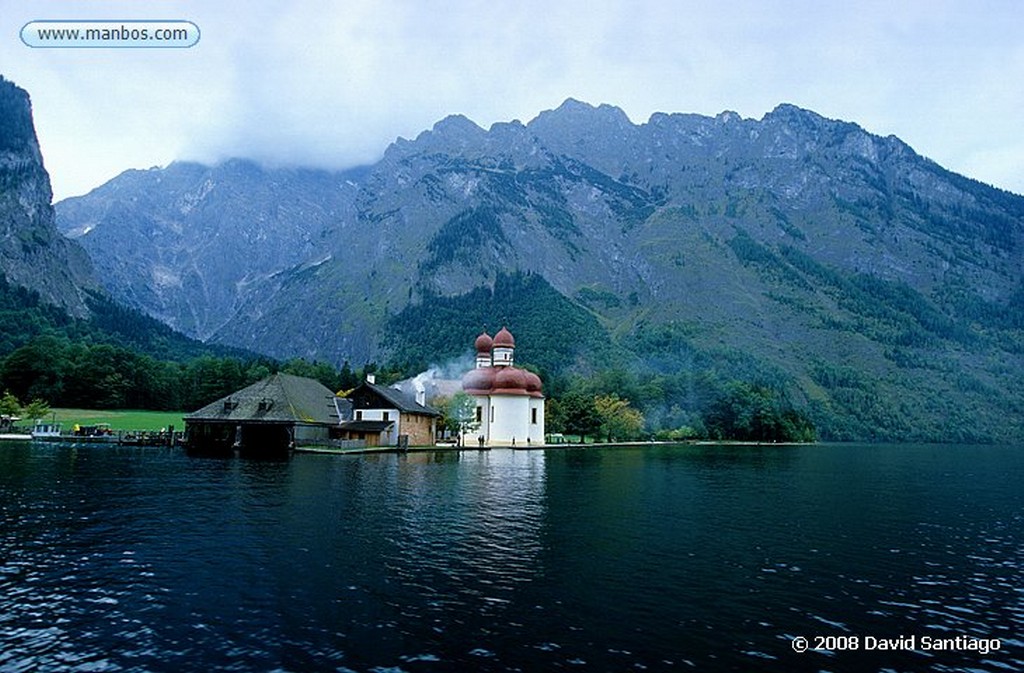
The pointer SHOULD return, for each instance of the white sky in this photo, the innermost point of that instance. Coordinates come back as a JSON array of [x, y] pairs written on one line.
[[330, 83]]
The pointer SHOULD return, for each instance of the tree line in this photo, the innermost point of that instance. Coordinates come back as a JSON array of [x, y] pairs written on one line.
[[616, 405], [610, 405], [67, 373], [118, 358]]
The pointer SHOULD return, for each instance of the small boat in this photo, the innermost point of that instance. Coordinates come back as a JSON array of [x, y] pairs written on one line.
[[46, 431], [9, 433], [98, 430]]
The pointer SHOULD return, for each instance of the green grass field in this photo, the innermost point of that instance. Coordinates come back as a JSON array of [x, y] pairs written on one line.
[[119, 419]]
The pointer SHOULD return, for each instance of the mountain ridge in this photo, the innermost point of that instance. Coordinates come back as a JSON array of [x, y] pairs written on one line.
[[795, 241]]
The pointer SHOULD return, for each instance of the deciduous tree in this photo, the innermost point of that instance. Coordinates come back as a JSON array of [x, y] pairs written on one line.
[[458, 414], [36, 409], [9, 404], [619, 420], [580, 415]]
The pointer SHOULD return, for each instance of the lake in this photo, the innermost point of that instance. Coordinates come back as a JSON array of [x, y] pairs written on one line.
[[710, 558]]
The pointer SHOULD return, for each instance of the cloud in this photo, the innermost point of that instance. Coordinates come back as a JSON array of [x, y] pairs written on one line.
[[332, 83]]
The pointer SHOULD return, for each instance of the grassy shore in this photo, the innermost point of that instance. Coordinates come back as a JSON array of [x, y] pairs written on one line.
[[121, 419]]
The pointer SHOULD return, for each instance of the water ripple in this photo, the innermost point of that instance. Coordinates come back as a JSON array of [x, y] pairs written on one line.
[[596, 560]]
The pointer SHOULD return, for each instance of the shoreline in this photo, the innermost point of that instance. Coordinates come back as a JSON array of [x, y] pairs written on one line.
[[326, 450]]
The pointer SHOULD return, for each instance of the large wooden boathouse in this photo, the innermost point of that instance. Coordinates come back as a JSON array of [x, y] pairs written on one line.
[[269, 417]]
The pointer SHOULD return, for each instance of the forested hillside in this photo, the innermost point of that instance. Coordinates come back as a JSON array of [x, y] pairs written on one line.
[[117, 358]]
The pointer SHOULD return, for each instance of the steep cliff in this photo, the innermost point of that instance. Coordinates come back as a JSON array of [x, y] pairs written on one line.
[[187, 244], [33, 253]]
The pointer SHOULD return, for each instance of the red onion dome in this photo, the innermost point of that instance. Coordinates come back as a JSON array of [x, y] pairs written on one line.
[[479, 380], [533, 384], [503, 339], [510, 380], [484, 343]]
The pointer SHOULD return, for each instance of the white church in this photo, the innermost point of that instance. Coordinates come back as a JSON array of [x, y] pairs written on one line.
[[509, 401]]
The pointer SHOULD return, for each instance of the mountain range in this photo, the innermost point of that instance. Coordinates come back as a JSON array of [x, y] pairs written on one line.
[[882, 292]]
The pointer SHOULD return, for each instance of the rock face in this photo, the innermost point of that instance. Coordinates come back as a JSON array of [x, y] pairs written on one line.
[[804, 244], [32, 252], [189, 244]]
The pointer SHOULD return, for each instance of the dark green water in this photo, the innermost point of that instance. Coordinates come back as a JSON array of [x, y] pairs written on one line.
[[674, 558]]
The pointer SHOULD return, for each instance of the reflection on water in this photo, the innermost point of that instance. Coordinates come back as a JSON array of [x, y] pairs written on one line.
[[711, 558]]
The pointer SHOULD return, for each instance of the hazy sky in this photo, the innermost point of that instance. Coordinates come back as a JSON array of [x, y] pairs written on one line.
[[331, 83]]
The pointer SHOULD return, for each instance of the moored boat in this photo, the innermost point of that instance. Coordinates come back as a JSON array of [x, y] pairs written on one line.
[[10, 433], [46, 431]]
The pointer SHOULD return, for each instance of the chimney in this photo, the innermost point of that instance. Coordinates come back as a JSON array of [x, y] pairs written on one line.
[[371, 378]]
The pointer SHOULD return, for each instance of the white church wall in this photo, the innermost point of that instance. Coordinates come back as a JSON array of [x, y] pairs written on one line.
[[483, 429], [511, 419], [537, 420]]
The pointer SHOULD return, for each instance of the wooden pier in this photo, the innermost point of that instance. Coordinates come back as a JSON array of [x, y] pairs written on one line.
[[166, 438]]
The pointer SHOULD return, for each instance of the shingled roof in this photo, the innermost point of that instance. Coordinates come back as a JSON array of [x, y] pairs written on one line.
[[281, 398], [394, 398]]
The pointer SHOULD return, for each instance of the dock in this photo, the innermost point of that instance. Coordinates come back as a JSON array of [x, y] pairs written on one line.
[[166, 438]]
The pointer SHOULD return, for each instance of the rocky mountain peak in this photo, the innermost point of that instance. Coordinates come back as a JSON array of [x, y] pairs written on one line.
[[454, 131], [805, 124], [454, 126], [728, 117], [17, 133], [602, 135], [789, 109], [581, 117]]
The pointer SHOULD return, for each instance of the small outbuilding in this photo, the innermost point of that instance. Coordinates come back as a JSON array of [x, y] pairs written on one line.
[[268, 417]]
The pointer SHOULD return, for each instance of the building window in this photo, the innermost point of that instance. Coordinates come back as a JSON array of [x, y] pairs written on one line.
[[533, 415], [492, 414], [479, 414], [386, 416], [359, 415]]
